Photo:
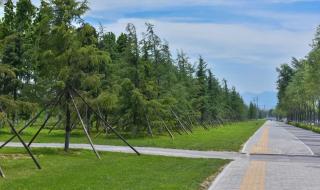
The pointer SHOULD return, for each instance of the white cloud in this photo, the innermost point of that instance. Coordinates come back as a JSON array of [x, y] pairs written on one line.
[[290, 21], [246, 43]]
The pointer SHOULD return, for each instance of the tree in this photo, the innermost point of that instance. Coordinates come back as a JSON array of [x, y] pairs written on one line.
[[201, 97], [69, 58], [135, 83], [285, 73], [16, 38], [252, 112], [298, 87], [214, 95]]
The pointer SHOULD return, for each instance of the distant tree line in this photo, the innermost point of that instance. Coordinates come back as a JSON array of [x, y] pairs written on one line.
[[298, 87], [134, 83], [255, 112]]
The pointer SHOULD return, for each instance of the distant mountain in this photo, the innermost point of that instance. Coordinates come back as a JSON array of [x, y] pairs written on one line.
[[268, 98]]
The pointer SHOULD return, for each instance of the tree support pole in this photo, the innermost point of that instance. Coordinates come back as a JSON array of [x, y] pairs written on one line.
[[166, 127], [54, 125], [44, 123], [186, 124], [84, 127], [23, 128], [189, 120], [38, 132], [23, 143], [107, 124], [182, 126], [30, 122]]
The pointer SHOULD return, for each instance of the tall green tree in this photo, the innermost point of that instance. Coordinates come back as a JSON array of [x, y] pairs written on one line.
[[69, 58], [201, 97]]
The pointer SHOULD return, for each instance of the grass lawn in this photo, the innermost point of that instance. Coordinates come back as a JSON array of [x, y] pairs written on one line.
[[79, 169], [228, 138]]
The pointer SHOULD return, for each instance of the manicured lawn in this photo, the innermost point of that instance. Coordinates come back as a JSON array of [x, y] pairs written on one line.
[[228, 138], [80, 169]]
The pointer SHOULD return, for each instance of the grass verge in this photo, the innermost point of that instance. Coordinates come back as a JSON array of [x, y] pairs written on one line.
[[227, 138], [79, 169], [313, 128]]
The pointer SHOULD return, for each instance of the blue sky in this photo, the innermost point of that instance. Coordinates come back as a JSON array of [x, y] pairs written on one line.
[[241, 40]]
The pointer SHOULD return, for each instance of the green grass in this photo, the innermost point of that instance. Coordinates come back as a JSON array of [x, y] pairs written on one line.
[[228, 138], [79, 169]]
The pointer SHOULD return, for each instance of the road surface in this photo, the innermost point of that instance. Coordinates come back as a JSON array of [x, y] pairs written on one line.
[[279, 157]]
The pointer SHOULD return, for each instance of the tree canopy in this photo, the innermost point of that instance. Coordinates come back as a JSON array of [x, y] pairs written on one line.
[[133, 80], [298, 85]]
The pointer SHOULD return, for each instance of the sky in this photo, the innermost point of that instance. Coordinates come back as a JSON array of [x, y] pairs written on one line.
[[241, 40]]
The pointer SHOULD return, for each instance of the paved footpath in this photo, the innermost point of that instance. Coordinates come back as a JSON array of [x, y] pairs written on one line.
[[142, 150], [279, 157]]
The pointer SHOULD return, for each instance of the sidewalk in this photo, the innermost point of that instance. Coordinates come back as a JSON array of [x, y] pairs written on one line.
[[277, 160]]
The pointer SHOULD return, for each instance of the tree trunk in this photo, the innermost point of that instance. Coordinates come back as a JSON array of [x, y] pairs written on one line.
[[68, 125]]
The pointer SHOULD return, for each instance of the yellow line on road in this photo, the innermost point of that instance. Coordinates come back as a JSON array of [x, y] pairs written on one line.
[[262, 145], [254, 178]]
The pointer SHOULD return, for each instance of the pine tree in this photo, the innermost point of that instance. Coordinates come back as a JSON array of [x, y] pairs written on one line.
[[214, 94], [201, 97], [70, 58], [16, 44]]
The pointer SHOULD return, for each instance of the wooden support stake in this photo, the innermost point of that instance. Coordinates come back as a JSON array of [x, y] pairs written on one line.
[[54, 125], [107, 123], [84, 127], [23, 143], [166, 127], [182, 126], [32, 120], [38, 132]]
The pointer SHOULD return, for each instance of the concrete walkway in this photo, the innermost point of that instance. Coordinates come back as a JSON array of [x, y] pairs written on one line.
[[143, 150], [279, 158]]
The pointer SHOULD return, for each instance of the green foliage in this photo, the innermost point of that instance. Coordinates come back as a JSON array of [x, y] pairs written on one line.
[[298, 85], [136, 84]]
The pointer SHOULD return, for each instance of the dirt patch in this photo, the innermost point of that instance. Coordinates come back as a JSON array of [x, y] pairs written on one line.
[[14, 156]]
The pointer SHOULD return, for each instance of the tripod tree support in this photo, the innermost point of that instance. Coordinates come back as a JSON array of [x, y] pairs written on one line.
[[31, 121], [22, 142], [107, 124], [84, 127]]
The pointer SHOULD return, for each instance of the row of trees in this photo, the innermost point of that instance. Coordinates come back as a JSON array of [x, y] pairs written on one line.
[[298, 85], [135, 84], [254, 112]]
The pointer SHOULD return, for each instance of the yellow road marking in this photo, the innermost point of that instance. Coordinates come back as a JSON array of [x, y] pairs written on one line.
[[254, 178], [262, 145]]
